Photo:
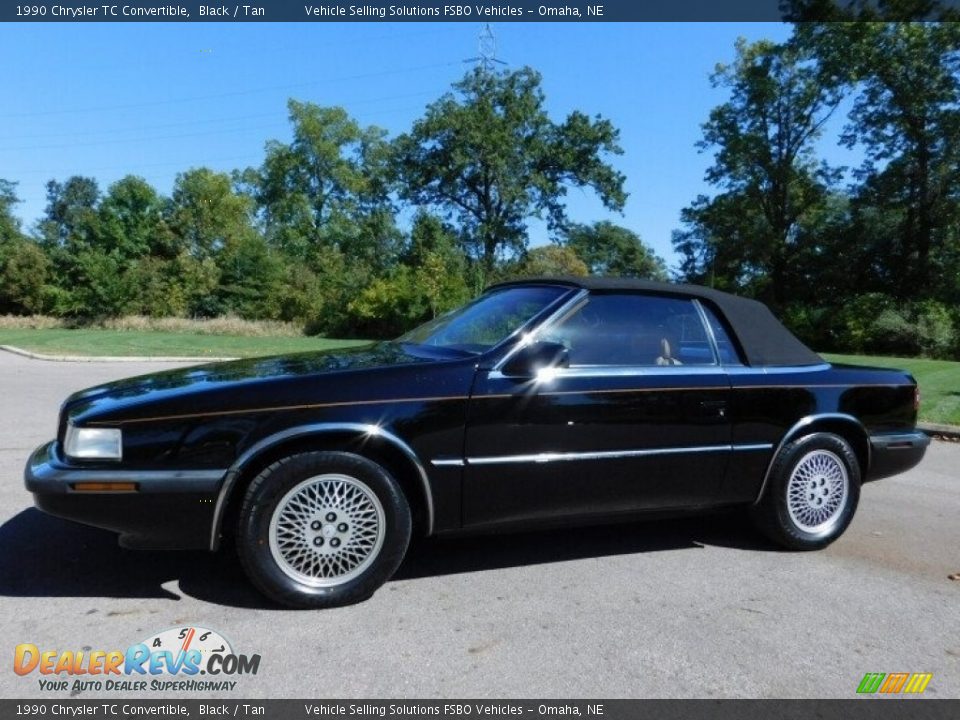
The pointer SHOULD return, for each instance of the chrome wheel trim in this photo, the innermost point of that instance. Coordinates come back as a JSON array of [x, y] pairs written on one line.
[[817, 491], [327, 530]]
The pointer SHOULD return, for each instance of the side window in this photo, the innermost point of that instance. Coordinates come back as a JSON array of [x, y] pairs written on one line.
[[726, 347], [633, 329]]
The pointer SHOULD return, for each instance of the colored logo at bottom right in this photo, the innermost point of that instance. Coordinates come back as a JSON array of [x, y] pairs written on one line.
[[894, 683]]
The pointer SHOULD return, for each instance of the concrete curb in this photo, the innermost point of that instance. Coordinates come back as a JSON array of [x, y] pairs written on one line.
[[120, 359], [945, 432]]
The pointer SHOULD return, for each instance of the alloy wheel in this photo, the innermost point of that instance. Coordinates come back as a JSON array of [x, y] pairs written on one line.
[[327, 530]]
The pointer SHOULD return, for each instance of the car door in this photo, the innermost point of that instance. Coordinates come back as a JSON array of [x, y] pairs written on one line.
[[637, 421]]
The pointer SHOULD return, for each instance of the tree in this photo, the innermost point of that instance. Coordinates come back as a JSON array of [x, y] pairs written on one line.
[[23, 265], [131, 221], [439, 269], [429, 280], [327, 188], [250, 278], [155, 287], [70, 217], [906, 117], [206, 214], [97, 285], [811, 12], [9, 223], [609, 249], [325, 206], [215, 228], [69, 233], [745, 237], [24, 271], [552, 260], [489, 155]]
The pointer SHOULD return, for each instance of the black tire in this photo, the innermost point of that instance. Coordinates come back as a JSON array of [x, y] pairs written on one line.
[[270, 487], [772, 514]]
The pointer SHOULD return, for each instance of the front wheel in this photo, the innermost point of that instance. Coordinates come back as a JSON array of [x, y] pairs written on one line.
[[322, 529], [811, 494]]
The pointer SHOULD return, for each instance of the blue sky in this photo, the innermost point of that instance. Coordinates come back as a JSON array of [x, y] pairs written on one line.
[[155, 99]]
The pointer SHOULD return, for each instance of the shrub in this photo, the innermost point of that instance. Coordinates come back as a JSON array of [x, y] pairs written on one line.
[[154, 288], [874, 323], [24, 271], [854, 329], [815, 326], [936, 332]]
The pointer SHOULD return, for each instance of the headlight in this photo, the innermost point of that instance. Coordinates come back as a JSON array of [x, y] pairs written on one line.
[[93, 443]]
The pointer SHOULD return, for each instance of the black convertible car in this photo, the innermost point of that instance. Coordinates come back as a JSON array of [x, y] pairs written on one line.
[[541, 402]]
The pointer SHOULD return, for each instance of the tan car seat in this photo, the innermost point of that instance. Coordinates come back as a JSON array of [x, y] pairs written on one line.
[[666, 354]]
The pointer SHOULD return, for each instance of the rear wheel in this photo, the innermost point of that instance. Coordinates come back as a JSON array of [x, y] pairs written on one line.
[[812, 493], [322, 529]]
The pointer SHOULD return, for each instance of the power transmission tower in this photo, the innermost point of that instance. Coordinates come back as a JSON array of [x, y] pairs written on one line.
[[487, 60]]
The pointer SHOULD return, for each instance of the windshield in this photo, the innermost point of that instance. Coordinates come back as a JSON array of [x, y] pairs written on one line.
[[480, 325]]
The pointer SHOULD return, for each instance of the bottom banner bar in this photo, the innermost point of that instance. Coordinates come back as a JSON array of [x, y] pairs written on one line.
[[855, 709]]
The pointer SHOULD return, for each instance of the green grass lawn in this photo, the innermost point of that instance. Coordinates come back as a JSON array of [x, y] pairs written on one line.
[[939, 379], [939, 383], [125, 342]]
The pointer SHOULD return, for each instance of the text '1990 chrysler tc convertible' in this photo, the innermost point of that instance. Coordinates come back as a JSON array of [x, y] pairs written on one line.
[[544, 401]]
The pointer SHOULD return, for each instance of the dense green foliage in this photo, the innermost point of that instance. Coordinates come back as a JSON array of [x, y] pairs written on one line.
[[316, 233], [864, 259], [609, 249]]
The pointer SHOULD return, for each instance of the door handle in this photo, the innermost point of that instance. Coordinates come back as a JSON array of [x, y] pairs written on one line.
[[714, 408]]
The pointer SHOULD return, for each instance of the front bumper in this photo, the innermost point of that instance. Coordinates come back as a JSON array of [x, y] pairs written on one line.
[[894, 453], [167, 509]]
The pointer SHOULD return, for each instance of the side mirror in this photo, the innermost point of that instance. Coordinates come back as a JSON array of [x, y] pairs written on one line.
[[529, 360]]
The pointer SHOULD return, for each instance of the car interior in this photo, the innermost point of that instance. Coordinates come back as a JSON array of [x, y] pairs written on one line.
[[633, 330]]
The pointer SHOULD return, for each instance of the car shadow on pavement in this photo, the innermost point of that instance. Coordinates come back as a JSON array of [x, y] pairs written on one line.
[[446, 556], [44, 556]]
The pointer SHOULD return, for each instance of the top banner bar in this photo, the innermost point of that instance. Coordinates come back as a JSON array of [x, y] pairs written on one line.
[[479, 10]]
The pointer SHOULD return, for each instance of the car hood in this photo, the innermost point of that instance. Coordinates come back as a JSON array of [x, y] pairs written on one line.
[[203, 379]]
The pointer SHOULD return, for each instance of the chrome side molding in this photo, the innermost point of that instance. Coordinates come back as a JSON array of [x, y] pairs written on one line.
[[549, 457]]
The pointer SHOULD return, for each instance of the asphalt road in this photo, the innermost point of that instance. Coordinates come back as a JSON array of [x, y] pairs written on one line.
[[682, 608]]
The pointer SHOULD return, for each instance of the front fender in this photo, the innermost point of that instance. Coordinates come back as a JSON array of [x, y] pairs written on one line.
[[362, 430]]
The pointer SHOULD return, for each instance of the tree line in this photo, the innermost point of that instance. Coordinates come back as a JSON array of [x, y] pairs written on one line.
[[341, 229], [864, 258], [353, 233]]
